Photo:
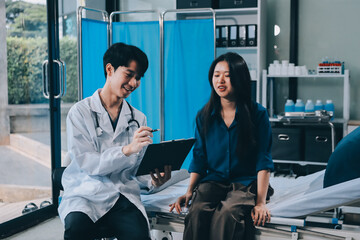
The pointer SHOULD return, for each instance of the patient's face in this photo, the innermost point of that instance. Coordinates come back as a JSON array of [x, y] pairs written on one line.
[[221, 80]]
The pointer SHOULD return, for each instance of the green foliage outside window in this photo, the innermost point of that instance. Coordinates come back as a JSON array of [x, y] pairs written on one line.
[[68, 54], [27, 50], [25, 19], [25, 58]]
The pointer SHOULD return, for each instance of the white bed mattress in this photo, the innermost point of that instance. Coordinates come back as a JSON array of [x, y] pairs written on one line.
[[292, 197]]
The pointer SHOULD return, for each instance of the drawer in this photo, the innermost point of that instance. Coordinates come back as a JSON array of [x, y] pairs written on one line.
[[287, 144], [317, 145]]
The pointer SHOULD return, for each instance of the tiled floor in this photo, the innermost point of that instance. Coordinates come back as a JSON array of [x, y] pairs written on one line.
[[51, 229]]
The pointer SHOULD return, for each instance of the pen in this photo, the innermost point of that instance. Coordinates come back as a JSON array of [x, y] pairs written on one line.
[[154, 130]]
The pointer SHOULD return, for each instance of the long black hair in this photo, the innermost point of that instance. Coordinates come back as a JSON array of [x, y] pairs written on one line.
[[241, 84]]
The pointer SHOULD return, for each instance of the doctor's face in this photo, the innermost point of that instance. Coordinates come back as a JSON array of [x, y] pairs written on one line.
[[221, 81], [123, 80]]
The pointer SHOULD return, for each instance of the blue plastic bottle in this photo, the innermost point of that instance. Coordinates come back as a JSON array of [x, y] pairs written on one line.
[[318, 105], [329, 107], [299, 106], [289, 106], [309, 107]]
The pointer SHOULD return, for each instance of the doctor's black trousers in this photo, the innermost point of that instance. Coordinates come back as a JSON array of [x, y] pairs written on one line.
[[124, 221]]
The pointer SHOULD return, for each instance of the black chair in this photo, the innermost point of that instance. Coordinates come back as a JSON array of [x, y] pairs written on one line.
[[102, 232]]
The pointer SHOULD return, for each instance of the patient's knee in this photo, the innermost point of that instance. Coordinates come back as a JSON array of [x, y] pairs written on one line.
[[198, 214], [237, 213]]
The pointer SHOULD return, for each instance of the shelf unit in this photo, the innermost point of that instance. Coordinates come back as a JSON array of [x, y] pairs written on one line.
[[268, 80], [254, 56]]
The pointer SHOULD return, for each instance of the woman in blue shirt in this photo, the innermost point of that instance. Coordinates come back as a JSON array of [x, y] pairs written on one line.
[[230, 170]]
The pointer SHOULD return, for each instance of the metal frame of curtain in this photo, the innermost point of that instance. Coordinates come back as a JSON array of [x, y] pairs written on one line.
[[80, 11], [144, 35], [109, 19], [162, 51]]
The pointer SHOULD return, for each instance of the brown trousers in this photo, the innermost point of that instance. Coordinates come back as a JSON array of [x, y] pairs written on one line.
[[221, 212]]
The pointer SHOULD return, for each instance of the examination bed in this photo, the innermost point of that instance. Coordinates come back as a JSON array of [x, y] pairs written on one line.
[[301, 208]]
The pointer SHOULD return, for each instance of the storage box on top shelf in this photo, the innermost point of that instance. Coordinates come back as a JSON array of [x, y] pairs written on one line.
[[181, 4], [238, 3]]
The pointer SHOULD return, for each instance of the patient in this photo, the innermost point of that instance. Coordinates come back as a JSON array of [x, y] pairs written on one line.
[[344, 164], [230, 170]]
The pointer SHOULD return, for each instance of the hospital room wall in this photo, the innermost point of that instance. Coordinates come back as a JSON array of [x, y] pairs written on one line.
[[147, 4], [330, 28], [278, 45], [327, 28]]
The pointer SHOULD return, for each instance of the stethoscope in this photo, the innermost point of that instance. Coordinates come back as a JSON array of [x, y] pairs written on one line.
[[98, 129]]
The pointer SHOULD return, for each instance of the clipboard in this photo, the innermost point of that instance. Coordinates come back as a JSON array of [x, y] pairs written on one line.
[[158, 155]]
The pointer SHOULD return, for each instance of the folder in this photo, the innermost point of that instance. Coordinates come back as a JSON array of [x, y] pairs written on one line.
[[232, 37], [251, 38], [158, 155], [218, 37], [223, 36], [242, 35]]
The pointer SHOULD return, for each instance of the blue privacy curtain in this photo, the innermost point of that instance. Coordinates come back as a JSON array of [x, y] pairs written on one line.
[[146, 98], [189, 51], [94, 45]]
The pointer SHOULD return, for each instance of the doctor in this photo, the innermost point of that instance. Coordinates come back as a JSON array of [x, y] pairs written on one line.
[[106, 140]]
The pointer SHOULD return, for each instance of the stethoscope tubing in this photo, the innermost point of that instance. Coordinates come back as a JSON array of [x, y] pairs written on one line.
[[98, 129]]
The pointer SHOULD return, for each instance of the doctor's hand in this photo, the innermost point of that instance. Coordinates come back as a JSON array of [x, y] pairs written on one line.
[[162, 177], [142, 138], [260, 214], [180, 201]]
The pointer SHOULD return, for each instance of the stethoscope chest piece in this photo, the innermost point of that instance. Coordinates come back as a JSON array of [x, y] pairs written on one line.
[[99, 131]]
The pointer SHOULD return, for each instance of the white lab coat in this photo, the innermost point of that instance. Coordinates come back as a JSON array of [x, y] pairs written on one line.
[[99, 171]]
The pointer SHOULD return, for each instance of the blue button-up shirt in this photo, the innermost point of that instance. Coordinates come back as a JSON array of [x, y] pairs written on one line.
[[215, 157]]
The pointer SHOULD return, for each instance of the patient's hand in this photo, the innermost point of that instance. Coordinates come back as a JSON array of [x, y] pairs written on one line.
[[180, 201], [162, 177], [260, 214]]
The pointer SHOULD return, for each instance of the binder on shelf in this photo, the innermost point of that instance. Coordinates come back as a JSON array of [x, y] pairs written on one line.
[[232, 36], [218, 36], [251, 35], [242, 35], [224, 36]]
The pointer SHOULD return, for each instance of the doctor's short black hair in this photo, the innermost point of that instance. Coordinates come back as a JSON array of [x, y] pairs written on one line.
[[121, 54]]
